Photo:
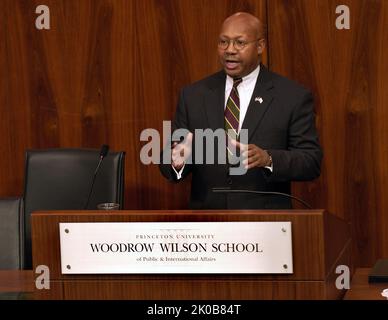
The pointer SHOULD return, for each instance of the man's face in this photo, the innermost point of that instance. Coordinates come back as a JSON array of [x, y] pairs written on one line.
[[239, 63]]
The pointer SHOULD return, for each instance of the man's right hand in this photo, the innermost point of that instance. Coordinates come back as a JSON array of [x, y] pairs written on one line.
[[180, 152]]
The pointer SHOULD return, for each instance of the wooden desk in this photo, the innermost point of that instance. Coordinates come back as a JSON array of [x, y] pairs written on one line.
[[360, 289], [16, 284]]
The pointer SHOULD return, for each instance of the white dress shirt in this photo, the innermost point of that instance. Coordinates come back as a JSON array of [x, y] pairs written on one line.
[[245, 91]]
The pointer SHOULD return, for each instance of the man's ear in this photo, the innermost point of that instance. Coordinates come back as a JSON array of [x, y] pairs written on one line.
[[260, 46]]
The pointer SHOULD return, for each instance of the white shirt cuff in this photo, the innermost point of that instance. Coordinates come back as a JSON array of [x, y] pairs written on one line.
[[270, 168], [179, 173]]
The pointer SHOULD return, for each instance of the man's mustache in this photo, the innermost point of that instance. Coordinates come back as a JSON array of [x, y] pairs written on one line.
[[230, 58]]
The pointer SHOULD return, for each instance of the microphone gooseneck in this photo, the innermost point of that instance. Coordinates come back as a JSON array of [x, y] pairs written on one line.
[[103, 152], [265, 193]]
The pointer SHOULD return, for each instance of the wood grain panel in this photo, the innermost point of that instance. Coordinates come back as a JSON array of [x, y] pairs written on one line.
[[379, 128], [347, 72], [14, 95], [193, 290], [5, 112]]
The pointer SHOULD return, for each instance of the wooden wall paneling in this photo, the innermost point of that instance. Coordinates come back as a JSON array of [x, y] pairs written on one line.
[[379, 125], [41, 107], [361, 195], [15, 96], [5, 146], [293, 53], [346, 71]]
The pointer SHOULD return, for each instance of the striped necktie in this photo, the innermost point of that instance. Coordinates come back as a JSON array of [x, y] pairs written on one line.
[[232, 115]]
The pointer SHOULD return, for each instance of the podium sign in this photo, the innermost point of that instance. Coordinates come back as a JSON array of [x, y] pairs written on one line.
[[176, 248]]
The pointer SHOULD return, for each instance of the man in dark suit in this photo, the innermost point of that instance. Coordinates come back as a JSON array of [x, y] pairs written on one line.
[[278, 114]]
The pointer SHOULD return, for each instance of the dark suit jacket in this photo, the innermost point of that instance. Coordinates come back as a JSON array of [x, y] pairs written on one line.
[[283, 124]]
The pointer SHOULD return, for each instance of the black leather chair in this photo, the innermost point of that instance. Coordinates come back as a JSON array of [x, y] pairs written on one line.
[[60, 179], [10, 229]]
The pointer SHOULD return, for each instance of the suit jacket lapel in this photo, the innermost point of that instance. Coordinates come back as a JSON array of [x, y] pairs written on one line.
[[214, 103], [260, 101]]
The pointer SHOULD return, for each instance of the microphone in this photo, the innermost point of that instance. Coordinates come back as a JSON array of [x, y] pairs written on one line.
[[103, 152], [265, 193]]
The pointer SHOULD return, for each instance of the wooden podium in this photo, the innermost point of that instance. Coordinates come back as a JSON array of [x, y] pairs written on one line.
[[320, 243]]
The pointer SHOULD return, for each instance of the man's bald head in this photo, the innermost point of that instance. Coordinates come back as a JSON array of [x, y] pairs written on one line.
[[241, 44], [253, 24]]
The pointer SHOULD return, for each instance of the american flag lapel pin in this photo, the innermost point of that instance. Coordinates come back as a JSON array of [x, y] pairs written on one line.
[[260, 99]]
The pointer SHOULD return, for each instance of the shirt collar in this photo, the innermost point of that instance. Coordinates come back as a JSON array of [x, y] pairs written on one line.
[[247, 80]]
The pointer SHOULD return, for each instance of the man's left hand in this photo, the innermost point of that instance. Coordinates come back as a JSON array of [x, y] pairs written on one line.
[[253, 155]]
